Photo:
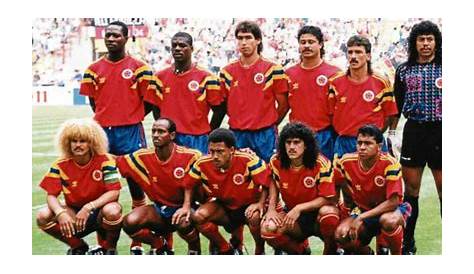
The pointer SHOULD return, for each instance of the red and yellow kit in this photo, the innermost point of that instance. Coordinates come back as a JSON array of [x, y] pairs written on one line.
[[118, 89], [81, 184], [308, 94], [186, 98], [235, 187], [161, 181], [369, 189], [250, 93], [355, 105], [302, 185]]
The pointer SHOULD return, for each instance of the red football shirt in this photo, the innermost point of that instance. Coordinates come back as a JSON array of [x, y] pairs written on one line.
[[237, 186], [161, 181], [186, 98], [302, 185], [81, 184], [356, 105], [250, 93], [308, 94], [118, 89], [372, 187]]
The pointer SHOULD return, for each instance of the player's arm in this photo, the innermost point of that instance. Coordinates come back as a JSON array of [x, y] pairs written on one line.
[[185, 210], [282, 106], [85, 211], [386, 206], [92, 103], [295, 212], [151, 108], [218, 114], [63, 217]]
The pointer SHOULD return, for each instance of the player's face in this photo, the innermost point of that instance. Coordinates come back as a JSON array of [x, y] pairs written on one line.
[[357, 57], [160, 135], [247, 44], [180, 49], [80, 147], [295, 148], [309, 46], [221, 154], [114, 39], [425, 45], [367, 147]]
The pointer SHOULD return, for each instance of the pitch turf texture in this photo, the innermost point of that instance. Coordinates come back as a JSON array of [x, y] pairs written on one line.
[[46, 120]]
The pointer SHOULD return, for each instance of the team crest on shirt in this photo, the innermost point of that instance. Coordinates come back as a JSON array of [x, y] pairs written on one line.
[[178, 172], [439, 83], [379, 181], [193, 85], [259, 78], [321, 80], [309, 182], [238, 179], [368, 96], [97, 175], [127, 73]]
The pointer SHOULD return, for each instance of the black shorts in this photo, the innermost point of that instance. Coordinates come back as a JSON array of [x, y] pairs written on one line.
[[308, 222], [236, 217], [421, 144]]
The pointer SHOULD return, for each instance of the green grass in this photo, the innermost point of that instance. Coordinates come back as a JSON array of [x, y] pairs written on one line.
[[47, 119]]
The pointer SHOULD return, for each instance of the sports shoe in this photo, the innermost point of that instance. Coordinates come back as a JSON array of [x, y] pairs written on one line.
[[213, 250], [137, 250], [194, 252], [280, 252], [409, 249], [307, 251], [82, 250], [383, 251], [97, 250], [340, 251]]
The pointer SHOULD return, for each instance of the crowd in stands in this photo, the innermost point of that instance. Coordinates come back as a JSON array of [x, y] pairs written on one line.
[[54, 41]]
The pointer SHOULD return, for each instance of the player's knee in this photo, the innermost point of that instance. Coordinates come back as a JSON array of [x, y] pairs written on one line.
[[183, 224], [328, 210], [201, 216], [269, 230], [390, 221], [112, 211], [131, 222], [254, 220], [43, 216]]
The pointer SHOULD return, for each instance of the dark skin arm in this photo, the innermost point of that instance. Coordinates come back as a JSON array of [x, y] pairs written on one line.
[[283, 106], [92, 104], [219, 112]]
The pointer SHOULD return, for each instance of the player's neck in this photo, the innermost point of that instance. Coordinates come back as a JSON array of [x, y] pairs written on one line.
[[182, 67], [359, 75], [425, 60], [296, 163], [83, 159], [367, 164], [115, 56], [311, 63], [164, 152], [247, 61]]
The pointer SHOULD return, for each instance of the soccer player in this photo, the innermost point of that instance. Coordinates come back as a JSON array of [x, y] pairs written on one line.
[[253, 86], [159, 172], [309, 88], [372, 180], [304, 178], [116, 85], [418, 90], [87, 177], [359, 97], [185, 92], [237, 182]]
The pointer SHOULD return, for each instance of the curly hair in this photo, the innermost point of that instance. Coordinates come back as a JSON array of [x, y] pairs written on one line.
[[424, 28], [84, 129], [316, 32], [300, 131]]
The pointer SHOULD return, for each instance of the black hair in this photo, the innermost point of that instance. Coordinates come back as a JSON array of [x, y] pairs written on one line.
[[316, 31], [301, 131], [371, 130], [123, 25], [358, 40], [187, 36], [171, 124], [222, 135], [424, 28], [251, 27]]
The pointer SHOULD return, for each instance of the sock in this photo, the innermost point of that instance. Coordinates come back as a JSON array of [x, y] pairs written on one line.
[[237, 237], [53, 229], [381, 242], [146, 236], [259, 242], [394, 240], [210, 231], [169, 239], [283, 242], [327, 226], [112, 232], [135, 204], [409, 237], [192, 238]]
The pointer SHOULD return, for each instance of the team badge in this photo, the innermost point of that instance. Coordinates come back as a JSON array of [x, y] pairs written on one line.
[[439, 83], [193, 85], [238, 179], [309, 182], [379, 181], [178, 172], [321, 80], [127, 73], [97, 175], [259, 78], [368, 96]]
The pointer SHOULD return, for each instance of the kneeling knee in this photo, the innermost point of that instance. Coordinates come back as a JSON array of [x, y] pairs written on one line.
[[200, 217], [44, 216], [112, 211], [389, 221]]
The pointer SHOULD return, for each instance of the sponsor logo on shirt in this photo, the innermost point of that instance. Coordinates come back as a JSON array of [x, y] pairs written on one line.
[[368, 96], [321, 80], [309, 182], [259, 78], [178, 172], [97, 175], [193, 85], [127, 73], [379, 181], [238, 179]]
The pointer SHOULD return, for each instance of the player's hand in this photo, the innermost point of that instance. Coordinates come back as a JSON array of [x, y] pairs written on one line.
[[291, 217], [252, 208], [180, 213], [66, 225], [81, 219], [394, 143], [354, 229], [272, 215]]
